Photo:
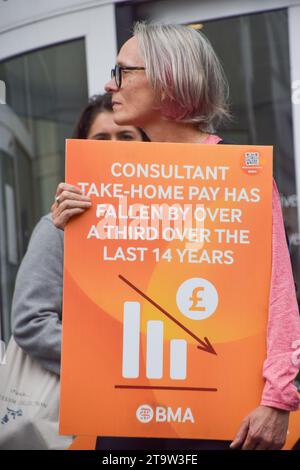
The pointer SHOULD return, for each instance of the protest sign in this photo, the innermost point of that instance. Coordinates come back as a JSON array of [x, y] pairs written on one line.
[[166, 289]]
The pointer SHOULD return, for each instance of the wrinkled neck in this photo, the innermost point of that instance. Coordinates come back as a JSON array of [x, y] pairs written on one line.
[[171, 131]]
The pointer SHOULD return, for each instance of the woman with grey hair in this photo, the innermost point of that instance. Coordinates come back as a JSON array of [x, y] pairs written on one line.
[[169, 82]]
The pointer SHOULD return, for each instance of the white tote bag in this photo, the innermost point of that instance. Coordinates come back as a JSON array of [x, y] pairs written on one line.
[[29, 404]]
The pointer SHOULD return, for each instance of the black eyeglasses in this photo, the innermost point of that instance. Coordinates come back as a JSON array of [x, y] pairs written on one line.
[[116, 73]]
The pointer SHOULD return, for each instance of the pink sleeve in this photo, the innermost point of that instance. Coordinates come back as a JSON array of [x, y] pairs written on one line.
[[283, 324]]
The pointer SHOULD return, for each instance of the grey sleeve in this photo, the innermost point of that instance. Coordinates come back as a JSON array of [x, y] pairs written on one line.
[[37, 300]]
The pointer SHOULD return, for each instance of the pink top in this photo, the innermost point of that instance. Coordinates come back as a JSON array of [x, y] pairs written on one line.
[[211, 139], [279, 371], [283, 323]]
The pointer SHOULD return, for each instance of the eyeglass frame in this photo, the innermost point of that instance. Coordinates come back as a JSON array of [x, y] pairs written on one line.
[[120, 68]]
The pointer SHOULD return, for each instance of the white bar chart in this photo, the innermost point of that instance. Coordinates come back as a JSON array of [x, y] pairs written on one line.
[[155, 349], [131, 340], [178, 359]]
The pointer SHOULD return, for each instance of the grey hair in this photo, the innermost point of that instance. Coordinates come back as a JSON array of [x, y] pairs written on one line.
[[185, 72]]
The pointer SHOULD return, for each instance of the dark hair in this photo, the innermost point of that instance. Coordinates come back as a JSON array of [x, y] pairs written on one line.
[[97, 104]]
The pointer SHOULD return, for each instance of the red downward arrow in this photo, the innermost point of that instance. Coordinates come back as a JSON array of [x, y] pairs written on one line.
[[205, 345]]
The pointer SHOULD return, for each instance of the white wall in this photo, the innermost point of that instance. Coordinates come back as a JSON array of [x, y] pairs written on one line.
[[16, 13], [192, 10], [96, 25]]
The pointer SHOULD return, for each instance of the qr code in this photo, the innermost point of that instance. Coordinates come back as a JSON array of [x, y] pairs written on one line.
[[252, 158]]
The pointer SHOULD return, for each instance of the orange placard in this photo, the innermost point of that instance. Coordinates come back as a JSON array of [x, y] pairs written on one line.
[[166, 288]]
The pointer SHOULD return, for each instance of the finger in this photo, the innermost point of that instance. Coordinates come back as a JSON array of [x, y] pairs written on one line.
[[250, 442], [67, 187], [72, 204], [71, 212], [241, 435], [71, 195], [61, 221]]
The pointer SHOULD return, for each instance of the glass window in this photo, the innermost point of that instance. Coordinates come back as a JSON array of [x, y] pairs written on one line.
[[47, 89], [45, 92], [9, 246]]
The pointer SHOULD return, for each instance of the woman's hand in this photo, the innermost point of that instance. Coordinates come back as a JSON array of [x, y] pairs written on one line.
[[69, 201], [264, 429]]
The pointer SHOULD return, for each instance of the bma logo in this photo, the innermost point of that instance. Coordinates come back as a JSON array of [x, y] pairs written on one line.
[[145, 414]]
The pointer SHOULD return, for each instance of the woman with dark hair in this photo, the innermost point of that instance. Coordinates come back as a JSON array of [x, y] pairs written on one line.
[[169, 82], [37, 300], [96, 122]]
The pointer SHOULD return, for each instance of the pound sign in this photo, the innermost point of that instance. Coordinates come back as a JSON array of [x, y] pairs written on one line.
[[195, 299]]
